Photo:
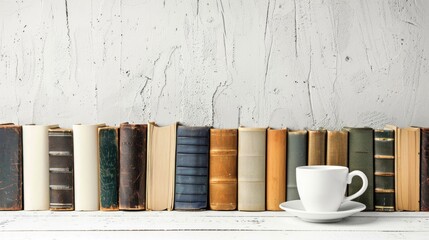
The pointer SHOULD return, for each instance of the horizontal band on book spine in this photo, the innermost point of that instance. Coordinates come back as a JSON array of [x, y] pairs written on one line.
[[60, 187], [384, 174], [384, 157], [60, 170], [61, 204], [61, 153], [384, 139], [385, 207], [380, 190]]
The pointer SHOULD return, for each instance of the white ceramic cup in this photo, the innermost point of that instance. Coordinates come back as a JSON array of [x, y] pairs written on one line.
[[322, 188]]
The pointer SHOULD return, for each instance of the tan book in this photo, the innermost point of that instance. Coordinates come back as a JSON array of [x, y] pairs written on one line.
[[337, 148], [316, 147], [407, 169], [161, 164], [223, 169], [276, 168], [251, 169]]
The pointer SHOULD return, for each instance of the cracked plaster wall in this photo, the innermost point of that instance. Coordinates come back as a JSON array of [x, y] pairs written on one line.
[[296, 64]]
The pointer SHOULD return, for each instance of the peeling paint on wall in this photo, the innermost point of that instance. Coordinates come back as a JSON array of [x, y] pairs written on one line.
[[278, 63]]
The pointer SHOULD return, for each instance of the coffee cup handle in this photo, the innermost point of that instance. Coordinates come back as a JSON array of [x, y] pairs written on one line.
[[364, 184]]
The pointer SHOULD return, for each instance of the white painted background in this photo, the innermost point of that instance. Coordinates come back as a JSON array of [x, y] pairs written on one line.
[[223, 63]]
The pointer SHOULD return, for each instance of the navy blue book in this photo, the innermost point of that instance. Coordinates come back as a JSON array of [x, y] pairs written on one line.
[[192, 160]]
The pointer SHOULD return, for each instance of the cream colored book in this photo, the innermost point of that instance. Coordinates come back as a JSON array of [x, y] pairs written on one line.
[[161, 164], [35, 144], [251, 169], [86, 167]]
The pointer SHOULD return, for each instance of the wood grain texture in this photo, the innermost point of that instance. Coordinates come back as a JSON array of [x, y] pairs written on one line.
[[224, 63]]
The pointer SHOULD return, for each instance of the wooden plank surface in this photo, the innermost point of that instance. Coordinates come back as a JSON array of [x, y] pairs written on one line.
[[207, 225]]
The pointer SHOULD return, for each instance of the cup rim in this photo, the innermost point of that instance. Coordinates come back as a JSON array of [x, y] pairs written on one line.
[[321, 168]]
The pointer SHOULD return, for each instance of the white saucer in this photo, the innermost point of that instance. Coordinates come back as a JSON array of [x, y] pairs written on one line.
[[346, 209]]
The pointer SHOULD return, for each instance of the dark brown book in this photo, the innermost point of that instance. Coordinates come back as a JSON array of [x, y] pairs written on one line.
[[223, 169], [61, 192], [132, 166], [10, 167], [316, 147], [424, 170]]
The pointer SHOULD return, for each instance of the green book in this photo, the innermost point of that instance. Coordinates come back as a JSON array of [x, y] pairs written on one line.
[[109, 168], [297, 142], [361, 157]]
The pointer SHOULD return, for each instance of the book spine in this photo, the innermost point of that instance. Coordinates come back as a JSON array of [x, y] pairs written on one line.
[[384, 159], [223, 169], [337, 148], [11, 167], [408, 170], [161, 166], [316, 147], [251, 169], [361, 157], [132, 173], [36, 167], [424, 170], [297, 142], [276, 168], [192, 159], [109, 168], [61, 170], [86, 167]]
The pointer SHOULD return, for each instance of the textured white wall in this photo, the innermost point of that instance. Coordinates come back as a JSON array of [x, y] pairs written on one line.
[[223, 63]]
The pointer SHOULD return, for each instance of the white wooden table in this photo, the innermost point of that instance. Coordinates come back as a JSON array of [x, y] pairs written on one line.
[[207, 225]]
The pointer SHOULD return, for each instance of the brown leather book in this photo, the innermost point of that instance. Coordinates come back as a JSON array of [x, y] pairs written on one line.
[[337, 148], [61, 169], [276, 168], [223, 169], [132, 166], [408, 170], [316, 147], [10, 167]]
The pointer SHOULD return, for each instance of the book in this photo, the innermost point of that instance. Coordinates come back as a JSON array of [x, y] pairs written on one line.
[[384, 166], [251, 169], [408, 170], [276, 168], [316, 147], [132, 166], [11, 167], [297, 143], [86, 167], [35, 144], [108, 142], [61, 166], [192, 162], [337, 148], [161, 166], [424, 170], [361, 157], [223, 169]]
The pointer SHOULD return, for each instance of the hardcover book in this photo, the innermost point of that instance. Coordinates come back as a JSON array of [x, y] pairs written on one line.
[[192, 162], [337, 148], [86, 167], [161, 166], [424, 170], [276, 168], [361, 157], [384, 158], [316, 147], [251, 169], [297, 142], [10, 167], [132, 166], [108, 138], [61, 194], [408, 170], [35, 144], [223, 169]]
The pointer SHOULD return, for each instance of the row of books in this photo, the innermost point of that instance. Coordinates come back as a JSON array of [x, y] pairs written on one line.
[[149, 167]]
